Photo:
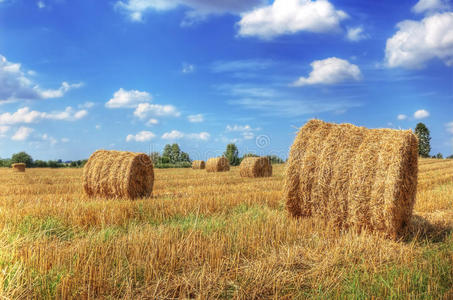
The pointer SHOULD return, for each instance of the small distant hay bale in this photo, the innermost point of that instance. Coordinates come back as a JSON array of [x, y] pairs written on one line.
[[118, 174], [18, 167], [218, 164], [353, 177], [255, 167], [198, 165]]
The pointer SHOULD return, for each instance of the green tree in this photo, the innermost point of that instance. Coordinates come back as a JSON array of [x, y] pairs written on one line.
[[232, 154], [155, 157], [275, 159], [175, 153], [22, 157], [184, 157], [40, 164], [424, 139], [450, 157], [439, 156]]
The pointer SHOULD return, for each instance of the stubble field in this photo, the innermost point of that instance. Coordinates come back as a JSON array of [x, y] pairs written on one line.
[[211, 235]]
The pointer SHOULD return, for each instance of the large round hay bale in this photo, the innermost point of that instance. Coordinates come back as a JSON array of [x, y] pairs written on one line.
[[255, 167], [198, 165], [218, 164], [353, 177], [18, 167], [118, 174]]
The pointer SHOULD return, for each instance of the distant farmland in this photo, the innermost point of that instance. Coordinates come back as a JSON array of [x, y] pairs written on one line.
[[211, 235]]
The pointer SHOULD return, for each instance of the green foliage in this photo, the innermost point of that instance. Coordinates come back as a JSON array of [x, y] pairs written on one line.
[[5, 163], [450, 157], [275, 159], [172, 157], [424, 139], [22, 157], [439, 156], [171, 166], [232, 154]]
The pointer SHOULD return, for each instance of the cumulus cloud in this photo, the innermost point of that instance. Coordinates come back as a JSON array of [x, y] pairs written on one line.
[[16, 85], [421, 114], [144, 110], [429, 6], [45, 137], [152, 122], [128, 99], [142, 136], [418, 42], [356, 34], [26, 116], [401, 117], [177, 135], [291, 16], [198, 10], [330, 71], [195, 118], [22, 134], [246, 131]]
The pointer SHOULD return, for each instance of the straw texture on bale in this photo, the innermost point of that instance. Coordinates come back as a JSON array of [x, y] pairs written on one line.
[[353, 177], [218, 164], [118, 174], [198, 164], [18, 167], [255, 167]]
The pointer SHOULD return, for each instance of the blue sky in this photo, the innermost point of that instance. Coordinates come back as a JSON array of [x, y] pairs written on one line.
[[76, 76]]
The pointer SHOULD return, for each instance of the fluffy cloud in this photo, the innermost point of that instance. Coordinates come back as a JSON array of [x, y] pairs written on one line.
[[291, 16], [330, 71], [195, 118], [187, 68], [142, 136], [144, 110], [177, 135], [401, 117], [152, 122], [22, 134], [128, 99], [198, 9], [16, 85], [47, 138], [356, 34], [416, 43], [448, 125], [430, 6], [421, 114], [25, 115], [246, 131]]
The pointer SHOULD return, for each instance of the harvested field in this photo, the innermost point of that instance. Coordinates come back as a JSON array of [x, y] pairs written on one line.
[[211, 236]]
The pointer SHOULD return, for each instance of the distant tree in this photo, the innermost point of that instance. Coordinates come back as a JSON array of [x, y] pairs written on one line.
[[40, 164], [424, 139], [184, 157], [232, 154], [275, 159], [22, 157], [439, 156], [450, 157], [249, 155], [155, 157], [5, 163]]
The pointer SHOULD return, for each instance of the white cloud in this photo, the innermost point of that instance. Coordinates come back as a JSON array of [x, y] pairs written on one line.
[[15, 85], [330, 71], [177, 135], [86, 105], [128, 99], [416, 43], [448, 125], [187, 68], [65, 140], [198, 10], [25, 115], [41, 4], [3, 130], [22, 134], [421, 114], [356, 34], [291, 16], [430, 6], [195, 118], [401, 117], [144, 110], [240, 128], [152, 122], [47, 138], [142, 136]]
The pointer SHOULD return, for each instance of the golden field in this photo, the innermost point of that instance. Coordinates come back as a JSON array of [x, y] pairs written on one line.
[[211, 235]]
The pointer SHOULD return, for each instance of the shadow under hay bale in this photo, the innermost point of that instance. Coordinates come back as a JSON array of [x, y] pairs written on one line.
[[18, 167], [255, 167], [353, 177], [118, 174], [198, 165], [218, 164], [420, 228]]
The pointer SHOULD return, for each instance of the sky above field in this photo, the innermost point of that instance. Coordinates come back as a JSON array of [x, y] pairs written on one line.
[[76, 76]]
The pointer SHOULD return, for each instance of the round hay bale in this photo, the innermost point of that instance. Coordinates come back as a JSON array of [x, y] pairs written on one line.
[[18, 167], [218, 164], [255, 167], [118, 174], [353, 177], [198, 165]]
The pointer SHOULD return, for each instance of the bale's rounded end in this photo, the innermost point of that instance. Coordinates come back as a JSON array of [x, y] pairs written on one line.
[[255, 167], [218, 164]]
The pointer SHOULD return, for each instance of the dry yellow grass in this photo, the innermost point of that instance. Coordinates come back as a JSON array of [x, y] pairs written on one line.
[[214, 235]]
